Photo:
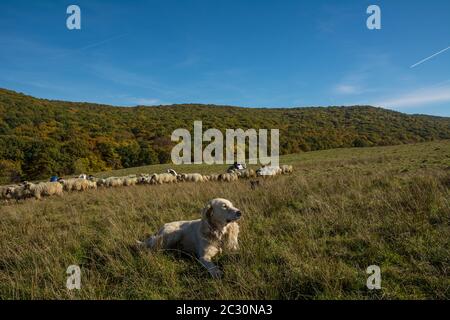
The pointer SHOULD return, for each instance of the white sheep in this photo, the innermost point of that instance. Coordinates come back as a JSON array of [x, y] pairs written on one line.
[[130, 180], [17, 192], [144, 179], [213, 177], [44, 189], [5, 192], [113, 182], [191, 177], [163, 178], [268, 171], [172, 172], [75, 184], [228, 177], [100, 182], [246, 173], [287, 169]]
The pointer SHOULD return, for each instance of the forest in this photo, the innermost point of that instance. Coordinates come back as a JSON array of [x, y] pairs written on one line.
[[40, 138]]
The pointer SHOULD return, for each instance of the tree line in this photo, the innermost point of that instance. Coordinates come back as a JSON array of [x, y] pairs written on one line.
[[40, 138]]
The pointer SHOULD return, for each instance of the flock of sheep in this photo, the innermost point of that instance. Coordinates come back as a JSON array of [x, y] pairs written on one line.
[[26, 190]]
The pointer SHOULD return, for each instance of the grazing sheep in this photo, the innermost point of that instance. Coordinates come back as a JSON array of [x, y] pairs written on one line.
[[191, 177], [66, 183], [213, 177], [100, 182], [287, 169], [130, 180], [44, 189], [17, 192], [12, 192], [144, 179], [92, 184], [269, 171], [231, 169], [163, 178], [228, 177], [247, 173], [172, 172], [4, 192], [113, 182], [75, 184]]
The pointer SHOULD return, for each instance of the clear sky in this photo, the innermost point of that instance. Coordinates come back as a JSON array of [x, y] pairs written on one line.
[[234, 52]]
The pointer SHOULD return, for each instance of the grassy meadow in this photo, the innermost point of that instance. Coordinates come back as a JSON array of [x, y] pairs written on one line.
[[309, 235]]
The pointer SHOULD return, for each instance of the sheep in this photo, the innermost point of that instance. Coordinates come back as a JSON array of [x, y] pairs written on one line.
[[100, 182], [247, 173], [213, 177], [113, 182], [269, 171], [76, 184], [191, 177], [231, 169], [17, 192], [287, 169], [144, 179], [4, 192], [44, 189], [92, 184], [67, 183], [228, 177], [172, 172], [163, 178], [130, 180]]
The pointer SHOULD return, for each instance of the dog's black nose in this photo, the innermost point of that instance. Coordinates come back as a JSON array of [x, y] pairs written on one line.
[[238, 214]]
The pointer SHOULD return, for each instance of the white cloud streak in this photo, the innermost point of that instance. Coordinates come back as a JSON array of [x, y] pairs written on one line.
[[346, 89], [145, 101], [419, 98]]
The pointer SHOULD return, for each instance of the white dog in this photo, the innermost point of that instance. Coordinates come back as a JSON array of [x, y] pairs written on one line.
[[203, 237]]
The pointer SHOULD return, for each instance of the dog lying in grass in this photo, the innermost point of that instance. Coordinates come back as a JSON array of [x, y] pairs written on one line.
[[206, 237]]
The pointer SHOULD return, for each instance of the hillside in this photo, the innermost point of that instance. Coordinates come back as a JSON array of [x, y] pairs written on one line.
[[40, 137], [308, 235]]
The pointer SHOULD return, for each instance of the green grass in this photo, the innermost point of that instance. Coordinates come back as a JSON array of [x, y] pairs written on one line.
[[309, 235]]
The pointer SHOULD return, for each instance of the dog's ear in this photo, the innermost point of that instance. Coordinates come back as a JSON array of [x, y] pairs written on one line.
[[207, 212]]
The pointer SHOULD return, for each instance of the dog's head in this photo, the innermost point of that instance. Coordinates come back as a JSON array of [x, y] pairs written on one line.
[[220, 212]]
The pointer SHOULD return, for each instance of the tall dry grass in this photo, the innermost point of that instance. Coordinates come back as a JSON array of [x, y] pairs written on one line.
[[310, 235]]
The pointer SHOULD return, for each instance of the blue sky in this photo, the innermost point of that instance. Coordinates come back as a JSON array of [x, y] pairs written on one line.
[[234, 52]]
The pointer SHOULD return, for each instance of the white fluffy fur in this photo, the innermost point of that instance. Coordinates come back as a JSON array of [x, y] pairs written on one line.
[[206, 237]]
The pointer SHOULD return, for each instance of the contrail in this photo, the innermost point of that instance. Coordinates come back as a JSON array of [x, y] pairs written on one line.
[[92, 45], [430, 57], [101, 42]]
